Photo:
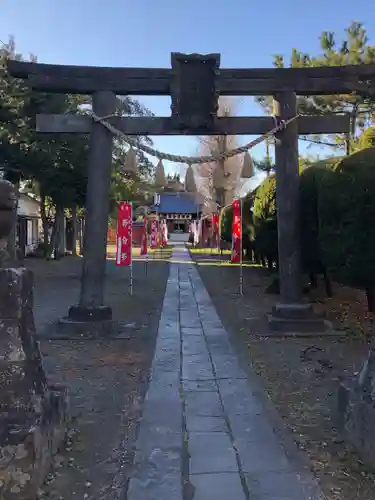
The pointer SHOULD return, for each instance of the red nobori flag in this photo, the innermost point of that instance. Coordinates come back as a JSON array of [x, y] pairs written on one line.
[[154, 233], [236, 232], [124, 234], [144, 237]]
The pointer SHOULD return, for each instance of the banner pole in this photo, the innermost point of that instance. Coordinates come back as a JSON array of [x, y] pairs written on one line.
[[147, 251], [131, 250], [241, 269]]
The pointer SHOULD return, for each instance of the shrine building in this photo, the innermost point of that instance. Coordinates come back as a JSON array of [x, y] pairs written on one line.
[[177, 208]]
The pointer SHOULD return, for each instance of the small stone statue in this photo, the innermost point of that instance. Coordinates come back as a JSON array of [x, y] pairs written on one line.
[[8, 208]]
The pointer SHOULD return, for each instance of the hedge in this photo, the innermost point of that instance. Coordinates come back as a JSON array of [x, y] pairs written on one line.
[[367, 138], [337, 210], [310, 180], [225, 223], [265, 221], [346, 209]]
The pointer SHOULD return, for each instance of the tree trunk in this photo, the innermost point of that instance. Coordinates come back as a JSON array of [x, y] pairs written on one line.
[[12, 238], [52, 244], [74, 230], [328, 284], [370, 294], [81, 235], [45, 224], [60, 233]]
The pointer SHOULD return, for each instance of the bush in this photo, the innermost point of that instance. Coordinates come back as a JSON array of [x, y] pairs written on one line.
[[367, 138], [310, 181], [225, 223], [265, 219], [346, 207], [248, 235]]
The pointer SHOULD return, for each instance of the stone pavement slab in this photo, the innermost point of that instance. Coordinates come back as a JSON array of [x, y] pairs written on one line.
[[211, 452], [199, 385], [226, 486], [203, 424], [203, 404]]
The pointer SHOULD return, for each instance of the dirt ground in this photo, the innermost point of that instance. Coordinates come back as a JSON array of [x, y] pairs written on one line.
[[300, 375], [107, 378]]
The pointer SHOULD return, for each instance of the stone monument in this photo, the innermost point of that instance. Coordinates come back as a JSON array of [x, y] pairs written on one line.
[[357, 410], [33, 414]]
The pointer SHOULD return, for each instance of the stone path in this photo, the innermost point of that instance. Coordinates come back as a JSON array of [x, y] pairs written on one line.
[[204, 434]]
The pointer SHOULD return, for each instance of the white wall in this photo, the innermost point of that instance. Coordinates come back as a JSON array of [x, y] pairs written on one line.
[[28, 207]]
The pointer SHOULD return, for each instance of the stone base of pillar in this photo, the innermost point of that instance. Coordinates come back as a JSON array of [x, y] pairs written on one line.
[[87, 322], [71, 329], [296, 320], [356, 412], [91, 314]]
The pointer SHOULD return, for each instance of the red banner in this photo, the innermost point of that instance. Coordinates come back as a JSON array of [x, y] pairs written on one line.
[[154, 233], [236, 232], [124, 234], [144, 241]]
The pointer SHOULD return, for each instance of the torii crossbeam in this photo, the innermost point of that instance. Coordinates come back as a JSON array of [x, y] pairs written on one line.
[[194, 83]]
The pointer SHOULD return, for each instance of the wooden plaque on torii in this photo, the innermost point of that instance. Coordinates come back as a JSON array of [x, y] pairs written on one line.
[[193, 92]]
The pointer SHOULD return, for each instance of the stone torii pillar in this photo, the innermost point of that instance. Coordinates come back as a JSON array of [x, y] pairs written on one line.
[[291, 315], [287, 199], [91, 301]]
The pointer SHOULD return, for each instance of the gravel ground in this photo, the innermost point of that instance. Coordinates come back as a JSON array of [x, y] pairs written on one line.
[[300, 375], [107, 378]]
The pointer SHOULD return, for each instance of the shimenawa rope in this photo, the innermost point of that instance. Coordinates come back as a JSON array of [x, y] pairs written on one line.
[[191, 160]]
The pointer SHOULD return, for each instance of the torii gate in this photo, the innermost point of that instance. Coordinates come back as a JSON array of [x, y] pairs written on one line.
[[194, 83]]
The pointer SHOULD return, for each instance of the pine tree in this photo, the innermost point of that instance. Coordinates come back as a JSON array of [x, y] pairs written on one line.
[[354, 49]]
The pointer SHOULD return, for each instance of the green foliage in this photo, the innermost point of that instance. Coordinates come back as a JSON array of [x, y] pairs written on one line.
[[265, 165], [265, 218], [310, 181], [247, 217], [353, 49], [55, 166], [225, 223], [346, 207], [367, 138]]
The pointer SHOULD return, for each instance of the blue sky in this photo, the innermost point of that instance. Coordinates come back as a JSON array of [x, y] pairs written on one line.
[[143, 33]]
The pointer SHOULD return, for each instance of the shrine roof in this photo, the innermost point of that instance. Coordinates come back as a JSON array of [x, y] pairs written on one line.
[[181, 203]]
